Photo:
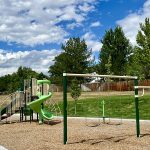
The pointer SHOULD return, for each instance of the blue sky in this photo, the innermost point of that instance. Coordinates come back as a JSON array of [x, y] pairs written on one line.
[[31, 32]]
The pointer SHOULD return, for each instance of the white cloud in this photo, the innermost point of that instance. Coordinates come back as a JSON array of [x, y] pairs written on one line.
[[73, 25], [96, 24], [37, 60], [92, 42], [34, 22], [86, 7], [130, 23]]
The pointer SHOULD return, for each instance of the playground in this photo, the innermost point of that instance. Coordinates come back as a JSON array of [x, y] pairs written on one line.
[[36, 118], [32, 136]]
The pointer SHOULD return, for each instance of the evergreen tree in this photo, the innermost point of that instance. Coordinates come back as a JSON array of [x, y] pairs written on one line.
[[75, 58], [75, 91], [142, 51], [58, 68], [115, 52], [108, 66], [42, 76]]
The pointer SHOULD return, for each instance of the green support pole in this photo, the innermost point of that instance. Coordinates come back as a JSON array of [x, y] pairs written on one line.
[[103, 104], [65, 106], [137, 108]]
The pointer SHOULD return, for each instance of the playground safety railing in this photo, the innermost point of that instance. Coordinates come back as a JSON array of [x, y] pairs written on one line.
[[16, 101]]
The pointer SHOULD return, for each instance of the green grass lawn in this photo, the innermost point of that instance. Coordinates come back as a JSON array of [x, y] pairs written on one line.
[[115, 107]]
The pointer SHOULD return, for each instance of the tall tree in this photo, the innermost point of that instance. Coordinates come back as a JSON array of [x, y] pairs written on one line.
[[75, 57], [115, 51], [142, 51], [25, 72], [75, 92], [58, 68]]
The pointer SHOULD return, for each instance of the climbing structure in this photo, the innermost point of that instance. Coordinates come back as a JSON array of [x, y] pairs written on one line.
[[30, 100], [11, 104]]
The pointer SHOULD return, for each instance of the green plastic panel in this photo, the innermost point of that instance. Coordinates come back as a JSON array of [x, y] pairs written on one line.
[[43, 81]]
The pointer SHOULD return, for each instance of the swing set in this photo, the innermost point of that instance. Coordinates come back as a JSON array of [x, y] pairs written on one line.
[[135, 89]]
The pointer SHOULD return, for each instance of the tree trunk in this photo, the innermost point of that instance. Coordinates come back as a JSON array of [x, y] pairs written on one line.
[[75, 107]]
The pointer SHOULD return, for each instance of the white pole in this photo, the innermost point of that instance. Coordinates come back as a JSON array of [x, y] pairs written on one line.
[[142, 87], [90, 75]]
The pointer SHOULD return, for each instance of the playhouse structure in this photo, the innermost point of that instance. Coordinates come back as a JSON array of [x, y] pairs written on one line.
[[28, 100]]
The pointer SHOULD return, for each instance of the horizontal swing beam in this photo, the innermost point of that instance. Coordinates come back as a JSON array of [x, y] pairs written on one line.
[[90, 75]]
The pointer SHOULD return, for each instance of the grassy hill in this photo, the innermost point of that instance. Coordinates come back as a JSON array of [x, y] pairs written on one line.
[[115, 107]]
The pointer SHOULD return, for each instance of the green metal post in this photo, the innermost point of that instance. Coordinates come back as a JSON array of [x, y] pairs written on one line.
[[65, 106], [137, 108], [103, 104]]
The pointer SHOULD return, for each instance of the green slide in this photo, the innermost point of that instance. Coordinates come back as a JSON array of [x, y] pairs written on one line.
[[36, 105]]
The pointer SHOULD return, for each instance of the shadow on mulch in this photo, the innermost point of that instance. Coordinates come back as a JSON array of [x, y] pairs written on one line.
[[146, 134], [106, 139], [51, 122], [112, 123]]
